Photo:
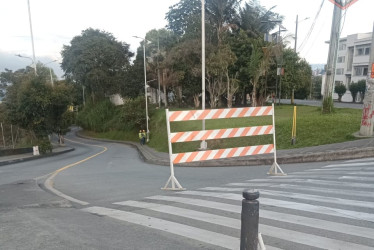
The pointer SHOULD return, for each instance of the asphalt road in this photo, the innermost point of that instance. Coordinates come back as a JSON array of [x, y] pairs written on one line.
[[114, 183]]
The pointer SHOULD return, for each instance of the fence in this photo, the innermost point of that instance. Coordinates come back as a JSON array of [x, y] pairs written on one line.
[[192, 115]]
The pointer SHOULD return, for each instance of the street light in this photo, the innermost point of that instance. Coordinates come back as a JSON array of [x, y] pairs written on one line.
[[145, 86], [50, 71], [203, 144], [32, 37], [33, 62], [297, 22]]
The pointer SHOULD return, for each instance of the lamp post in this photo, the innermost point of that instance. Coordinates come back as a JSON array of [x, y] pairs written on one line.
[[50, 71], [203, 144], [145, 86], [33, 62], [297, 23], [32, 37]]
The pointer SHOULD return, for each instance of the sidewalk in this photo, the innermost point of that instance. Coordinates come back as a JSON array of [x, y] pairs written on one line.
[[6, 160], [361, 148]]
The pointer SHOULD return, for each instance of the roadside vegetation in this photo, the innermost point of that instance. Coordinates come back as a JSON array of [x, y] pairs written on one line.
[[242, 69], [313, 128]]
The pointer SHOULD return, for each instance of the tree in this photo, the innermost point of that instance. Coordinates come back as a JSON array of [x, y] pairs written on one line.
[[222, 15], [255, 19], [217, 73], [183, 15], [297, 75], [354, 88], [316, 87], [361, 88], [96, 60], [32, 103], [340, 89]]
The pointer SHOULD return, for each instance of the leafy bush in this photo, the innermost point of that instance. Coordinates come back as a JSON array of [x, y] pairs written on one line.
[[354, 88], [340, 90], [134, 113], [45, 146], [362, 88], [99, 117]]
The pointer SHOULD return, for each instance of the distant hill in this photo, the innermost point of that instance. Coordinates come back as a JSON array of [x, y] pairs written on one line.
[[317, 66]]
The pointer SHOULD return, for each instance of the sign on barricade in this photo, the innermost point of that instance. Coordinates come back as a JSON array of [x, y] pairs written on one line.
[[210, 114]]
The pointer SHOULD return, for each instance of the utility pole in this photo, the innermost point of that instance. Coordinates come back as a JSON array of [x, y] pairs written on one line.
[[203, 144], [297, 22], [158, 69], [328, 104], [32, 38], [366, 128]]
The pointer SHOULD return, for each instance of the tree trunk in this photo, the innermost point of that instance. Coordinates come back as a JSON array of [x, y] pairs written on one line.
[[196, 100]]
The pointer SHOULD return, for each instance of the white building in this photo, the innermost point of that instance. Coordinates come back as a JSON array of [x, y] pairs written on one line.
[[352, 61]]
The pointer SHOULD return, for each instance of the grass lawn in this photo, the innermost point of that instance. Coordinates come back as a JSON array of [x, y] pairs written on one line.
[[313, 129]]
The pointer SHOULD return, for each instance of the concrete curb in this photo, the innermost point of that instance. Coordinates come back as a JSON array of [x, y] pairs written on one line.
[[342, 154], [30, 158]]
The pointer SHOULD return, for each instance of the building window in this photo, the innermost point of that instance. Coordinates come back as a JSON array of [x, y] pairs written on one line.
[[342, 46], [365, 73], [340, 71], [361, 71], [363, 50], [341, 59]]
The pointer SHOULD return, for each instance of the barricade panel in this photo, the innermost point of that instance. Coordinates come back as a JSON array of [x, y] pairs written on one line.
[[222, 153], [208, 114], [189, 136], [220, 133]]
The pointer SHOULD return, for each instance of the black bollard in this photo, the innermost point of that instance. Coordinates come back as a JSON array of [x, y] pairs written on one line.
[[250, 217]]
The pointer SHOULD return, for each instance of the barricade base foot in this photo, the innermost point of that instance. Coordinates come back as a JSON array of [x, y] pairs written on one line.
[[274, 170], [175, 185]]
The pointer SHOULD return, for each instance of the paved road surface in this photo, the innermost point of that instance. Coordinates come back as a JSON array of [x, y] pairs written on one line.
[[316, 206]]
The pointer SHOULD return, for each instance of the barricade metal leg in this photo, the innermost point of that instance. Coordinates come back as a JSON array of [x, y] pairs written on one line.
[[274, 168], [175, 185]]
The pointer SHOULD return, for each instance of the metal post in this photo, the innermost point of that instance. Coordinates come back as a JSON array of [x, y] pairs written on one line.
[[327, 104], [145, 90], [158, 70], [32, 38], [297, 22], [203, 144], [2, 132], [11, 131], [84, 100], [249, 220], [50, 73]]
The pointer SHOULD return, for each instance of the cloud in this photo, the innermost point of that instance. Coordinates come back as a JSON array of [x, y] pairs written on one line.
[[12, 62]]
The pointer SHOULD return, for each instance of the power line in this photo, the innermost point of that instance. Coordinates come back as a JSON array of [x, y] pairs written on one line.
[[311, 28]]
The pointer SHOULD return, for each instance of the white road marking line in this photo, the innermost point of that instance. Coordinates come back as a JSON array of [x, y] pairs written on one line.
[[357, 178], [290, 235], [322, 190], [350, 164], [289, 218], [318, 182], [359, 160], [326, 199], [202, 235], [291, 205]]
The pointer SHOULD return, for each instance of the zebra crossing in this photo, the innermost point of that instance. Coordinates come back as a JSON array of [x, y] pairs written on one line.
[[326, 208]]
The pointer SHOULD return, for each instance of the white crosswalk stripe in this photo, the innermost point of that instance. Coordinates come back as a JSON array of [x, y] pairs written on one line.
[[297, 211]]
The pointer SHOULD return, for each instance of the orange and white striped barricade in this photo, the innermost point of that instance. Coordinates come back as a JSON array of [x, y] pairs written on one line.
[[192, 115]]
